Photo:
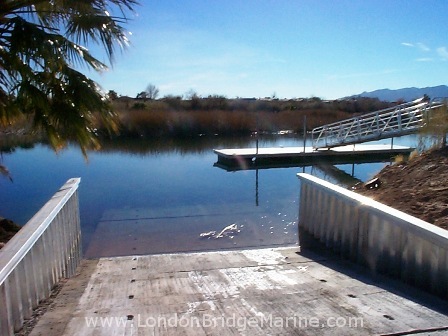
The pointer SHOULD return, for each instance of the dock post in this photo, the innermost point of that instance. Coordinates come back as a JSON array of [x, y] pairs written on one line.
[[256, 151], [256, 136], [304, 134], [256, 187]]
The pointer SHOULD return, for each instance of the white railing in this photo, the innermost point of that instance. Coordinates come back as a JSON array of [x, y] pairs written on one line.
[[45, 250], [374, 235], [396, 121]]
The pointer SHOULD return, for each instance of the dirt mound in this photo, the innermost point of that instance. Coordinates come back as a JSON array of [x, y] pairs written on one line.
[[418, 187], [7, 230]]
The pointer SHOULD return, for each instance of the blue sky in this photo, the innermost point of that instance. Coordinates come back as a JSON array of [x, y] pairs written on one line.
[[290, 48]]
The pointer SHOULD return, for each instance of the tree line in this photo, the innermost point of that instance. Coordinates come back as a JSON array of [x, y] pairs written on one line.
[[216, 114]]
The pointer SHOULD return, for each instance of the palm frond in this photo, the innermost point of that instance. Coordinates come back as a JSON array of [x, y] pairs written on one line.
[[101, 29], [41, 44]]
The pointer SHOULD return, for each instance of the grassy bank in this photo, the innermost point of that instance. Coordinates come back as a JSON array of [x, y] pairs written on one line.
[[172, 116], [175, 117]]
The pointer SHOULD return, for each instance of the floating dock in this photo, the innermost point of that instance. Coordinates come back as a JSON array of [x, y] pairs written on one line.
[[253, 158]]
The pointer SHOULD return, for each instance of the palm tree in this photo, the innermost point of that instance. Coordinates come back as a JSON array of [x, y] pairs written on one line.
[[43, 47]]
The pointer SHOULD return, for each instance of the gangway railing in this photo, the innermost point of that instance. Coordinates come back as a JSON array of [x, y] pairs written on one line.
[[399, 120]]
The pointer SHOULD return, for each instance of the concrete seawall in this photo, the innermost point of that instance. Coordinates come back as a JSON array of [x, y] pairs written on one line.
[[372, 234], [43, 252]]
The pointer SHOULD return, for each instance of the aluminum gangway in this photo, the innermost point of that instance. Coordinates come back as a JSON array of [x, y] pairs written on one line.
[[399, 120]]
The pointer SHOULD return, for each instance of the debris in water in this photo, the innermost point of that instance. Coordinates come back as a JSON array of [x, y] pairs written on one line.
[[207, 234], [230, 230]]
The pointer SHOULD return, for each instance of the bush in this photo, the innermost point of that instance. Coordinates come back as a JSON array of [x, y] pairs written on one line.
[[139, 106]]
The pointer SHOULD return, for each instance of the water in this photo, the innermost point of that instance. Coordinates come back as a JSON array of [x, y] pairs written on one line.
[[144, 196]]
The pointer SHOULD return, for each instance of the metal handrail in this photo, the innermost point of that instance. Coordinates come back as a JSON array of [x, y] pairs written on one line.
[[46, 249], [399, 120]]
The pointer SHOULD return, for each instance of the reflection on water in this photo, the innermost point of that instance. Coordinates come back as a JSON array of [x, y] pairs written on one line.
[[196, 145], [139, 196], [337, 174]]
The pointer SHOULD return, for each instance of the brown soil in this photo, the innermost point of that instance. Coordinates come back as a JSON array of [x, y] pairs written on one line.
[[7, 230], [418, 187]]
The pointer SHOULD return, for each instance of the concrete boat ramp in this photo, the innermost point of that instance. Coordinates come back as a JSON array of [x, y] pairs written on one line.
[[269, 291]]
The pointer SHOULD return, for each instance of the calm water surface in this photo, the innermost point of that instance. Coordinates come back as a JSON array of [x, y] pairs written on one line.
[[154, 197]]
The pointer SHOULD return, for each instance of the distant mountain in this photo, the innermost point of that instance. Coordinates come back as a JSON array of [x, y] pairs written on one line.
[[407, 94]]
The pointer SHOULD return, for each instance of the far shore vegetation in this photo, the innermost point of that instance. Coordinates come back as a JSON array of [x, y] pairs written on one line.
[[175, 117]]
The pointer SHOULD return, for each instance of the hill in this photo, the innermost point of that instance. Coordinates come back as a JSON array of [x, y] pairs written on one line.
[[406, 94]]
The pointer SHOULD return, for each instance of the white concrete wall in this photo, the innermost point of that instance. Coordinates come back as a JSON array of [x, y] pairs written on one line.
[[45, 250], [375, 235]]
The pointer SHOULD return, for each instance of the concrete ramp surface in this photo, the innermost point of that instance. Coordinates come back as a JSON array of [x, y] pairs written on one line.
[[270, 291]]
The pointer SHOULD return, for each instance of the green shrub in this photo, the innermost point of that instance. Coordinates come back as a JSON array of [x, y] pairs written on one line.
[[139, 106]]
